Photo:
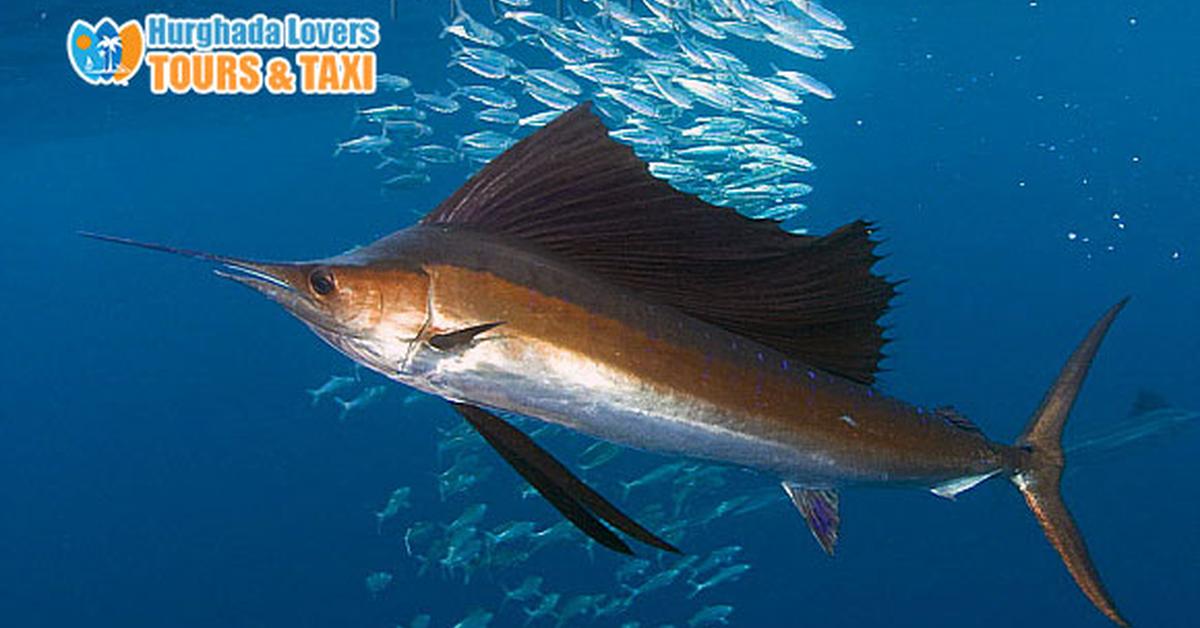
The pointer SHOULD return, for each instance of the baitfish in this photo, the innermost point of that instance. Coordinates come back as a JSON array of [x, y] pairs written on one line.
[[529, 589], [363, 144], [333, 385], [510, 532], [711, 615], [485, 95], [656, 475], [543, 609], [365, 398], [435, 153], [598, 454], [728, 574], [437, 102], [1151, 417], [469, 517], [486, 140], [397, 502], [406, 181], [387, 113], [498, 116], [565, 283], [393, 82], [478, 618], [406, 130], [470, 29]]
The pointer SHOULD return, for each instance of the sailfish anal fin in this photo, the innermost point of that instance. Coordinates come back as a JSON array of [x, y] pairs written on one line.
[[820, 510], [582, 506]]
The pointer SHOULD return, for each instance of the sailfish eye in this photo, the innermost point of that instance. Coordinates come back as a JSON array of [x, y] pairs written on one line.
[[321, 281]]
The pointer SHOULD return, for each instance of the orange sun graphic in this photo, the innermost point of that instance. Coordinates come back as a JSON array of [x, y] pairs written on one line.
[[83, 42]]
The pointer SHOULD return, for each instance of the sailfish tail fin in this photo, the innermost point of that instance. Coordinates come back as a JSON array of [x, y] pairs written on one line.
[[1039, 473]]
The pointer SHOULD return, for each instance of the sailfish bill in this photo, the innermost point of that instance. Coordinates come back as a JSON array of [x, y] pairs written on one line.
[[565, 283]]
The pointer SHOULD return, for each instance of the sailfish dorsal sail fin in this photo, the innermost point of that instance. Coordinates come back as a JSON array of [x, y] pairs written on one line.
[[576, 193]]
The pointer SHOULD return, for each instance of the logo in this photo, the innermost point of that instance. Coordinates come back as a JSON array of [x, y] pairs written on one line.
[[218, 54], [104, 54]]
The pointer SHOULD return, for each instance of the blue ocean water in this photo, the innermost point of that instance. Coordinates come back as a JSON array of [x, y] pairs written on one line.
[[1028, 164]]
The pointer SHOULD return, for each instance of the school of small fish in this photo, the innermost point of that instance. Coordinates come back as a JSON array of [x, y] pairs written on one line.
[[445, 528], [667, 76]]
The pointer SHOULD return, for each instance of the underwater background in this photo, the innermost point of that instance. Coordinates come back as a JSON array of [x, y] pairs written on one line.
[[161, 463]]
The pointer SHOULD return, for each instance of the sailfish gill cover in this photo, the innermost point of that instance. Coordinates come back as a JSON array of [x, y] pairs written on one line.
[[173, 451]]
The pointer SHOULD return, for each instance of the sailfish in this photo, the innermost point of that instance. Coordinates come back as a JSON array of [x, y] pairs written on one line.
[[564, 282]]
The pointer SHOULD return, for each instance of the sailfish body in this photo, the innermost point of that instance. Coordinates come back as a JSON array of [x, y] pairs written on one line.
[[576, 350], [565, 283]]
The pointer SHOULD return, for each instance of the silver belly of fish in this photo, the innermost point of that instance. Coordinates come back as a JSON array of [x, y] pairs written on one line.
[[547, 382]]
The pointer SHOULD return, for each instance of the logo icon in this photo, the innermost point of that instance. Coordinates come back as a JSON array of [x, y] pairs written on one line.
[[104, 54]]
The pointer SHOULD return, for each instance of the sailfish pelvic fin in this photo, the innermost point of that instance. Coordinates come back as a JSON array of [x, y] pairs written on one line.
[[582, 506]]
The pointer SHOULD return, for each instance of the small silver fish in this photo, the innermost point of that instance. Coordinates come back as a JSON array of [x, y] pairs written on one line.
[[334, 384], [466, 27], [728, 574], [543, 609], [435, 153], [634, 102], [820, 14], [366, 398], [478, 618], [406, 130], [532, 19], [717, 558], [562, 51], [601, 47], [651, 47], [538, 120], [550, 97], [597, 454], [794, 45], [830, 39], [480, 67], [555, 80], [805, 82], [711, 615], [501, 117], [392, 82], [437, 103], [510, 532], [469, 517], [391, 112], [363, 144], [397, 502], [632, 567], [406, 181], [486, 140], [745, 30], [485, 95], [716, 95], [599, 73]]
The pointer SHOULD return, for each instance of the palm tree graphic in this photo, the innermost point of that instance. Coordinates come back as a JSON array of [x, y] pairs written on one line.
[[110, 49]]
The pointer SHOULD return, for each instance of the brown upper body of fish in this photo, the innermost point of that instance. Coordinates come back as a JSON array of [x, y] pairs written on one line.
[[565, 283]]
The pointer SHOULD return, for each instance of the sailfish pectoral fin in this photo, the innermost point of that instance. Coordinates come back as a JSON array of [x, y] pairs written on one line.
[[459, 338], [820, 510], [581, 505]]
